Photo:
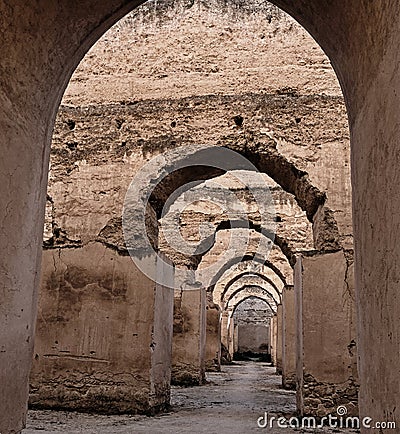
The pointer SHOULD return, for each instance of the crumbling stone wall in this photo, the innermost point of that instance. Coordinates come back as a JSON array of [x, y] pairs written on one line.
[[327, 375], [213, 338], [189, 342], [101, 150], [102, 326], [252, 320], [368, 69], [117, 114]]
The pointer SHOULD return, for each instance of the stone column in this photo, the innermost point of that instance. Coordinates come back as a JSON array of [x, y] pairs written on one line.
[[104, 333], [25, 143], [273, 337], [279, 339], [289, 338], [188, 348], [269, 338], [326, 343], [225, 357], [231, 335], [213, 338], [235, 338], [224, 329]]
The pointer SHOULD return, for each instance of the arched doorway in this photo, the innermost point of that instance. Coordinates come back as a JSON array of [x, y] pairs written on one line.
[[366, 67]]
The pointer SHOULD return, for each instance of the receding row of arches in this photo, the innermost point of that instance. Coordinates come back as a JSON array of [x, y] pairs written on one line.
[[132, 327]]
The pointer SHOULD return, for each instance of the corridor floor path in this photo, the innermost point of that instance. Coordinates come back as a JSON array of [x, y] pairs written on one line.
[[230, 402]]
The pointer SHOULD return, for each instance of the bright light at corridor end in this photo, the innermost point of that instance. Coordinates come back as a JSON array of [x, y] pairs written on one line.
[[172, 181]]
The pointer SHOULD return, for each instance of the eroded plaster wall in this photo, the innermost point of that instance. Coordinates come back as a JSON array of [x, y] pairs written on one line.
[[97, 334], [188, 349], [326, 333], [213, 338], [252, 319], [362, 40], [289, 338], [113, 120]]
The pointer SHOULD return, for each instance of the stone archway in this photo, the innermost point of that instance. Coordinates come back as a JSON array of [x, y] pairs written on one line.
[[256, 275], [229, 328], [233, 297], [362, 41]]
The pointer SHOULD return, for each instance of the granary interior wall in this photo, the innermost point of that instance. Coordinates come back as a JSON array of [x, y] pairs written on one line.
[[94, 332], [326, 342], [126, 102], [361, 39], [272, 90], [188, 364], [252, 320], [212, 360]]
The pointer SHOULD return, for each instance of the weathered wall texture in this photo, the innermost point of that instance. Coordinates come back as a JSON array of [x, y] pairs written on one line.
[[362, 40], [117, 139], [252, 319], [213, 338], [279, 339], [226, 355], [97, 334], [124, 105], [273, 339], [326, 343], [188, 345], [288, 338], [253, 339]]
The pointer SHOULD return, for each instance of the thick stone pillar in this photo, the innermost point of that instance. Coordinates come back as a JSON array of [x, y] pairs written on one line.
[[375, 137], [189, 340], [326, 343], [235, 338], [279, 338], [213, 338], [231, 335], [273, 339], [224, 329], [288, 338], [225, 324], [269, 325], [25, 146], [104, 331]]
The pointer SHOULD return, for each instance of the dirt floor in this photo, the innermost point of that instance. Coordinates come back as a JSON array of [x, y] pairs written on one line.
[[231, 402]]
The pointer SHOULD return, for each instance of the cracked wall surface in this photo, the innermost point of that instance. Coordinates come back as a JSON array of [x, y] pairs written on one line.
[[326, 346], [252, 321], [94, 333], [362, 41], [284, 113], [188, 346]]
